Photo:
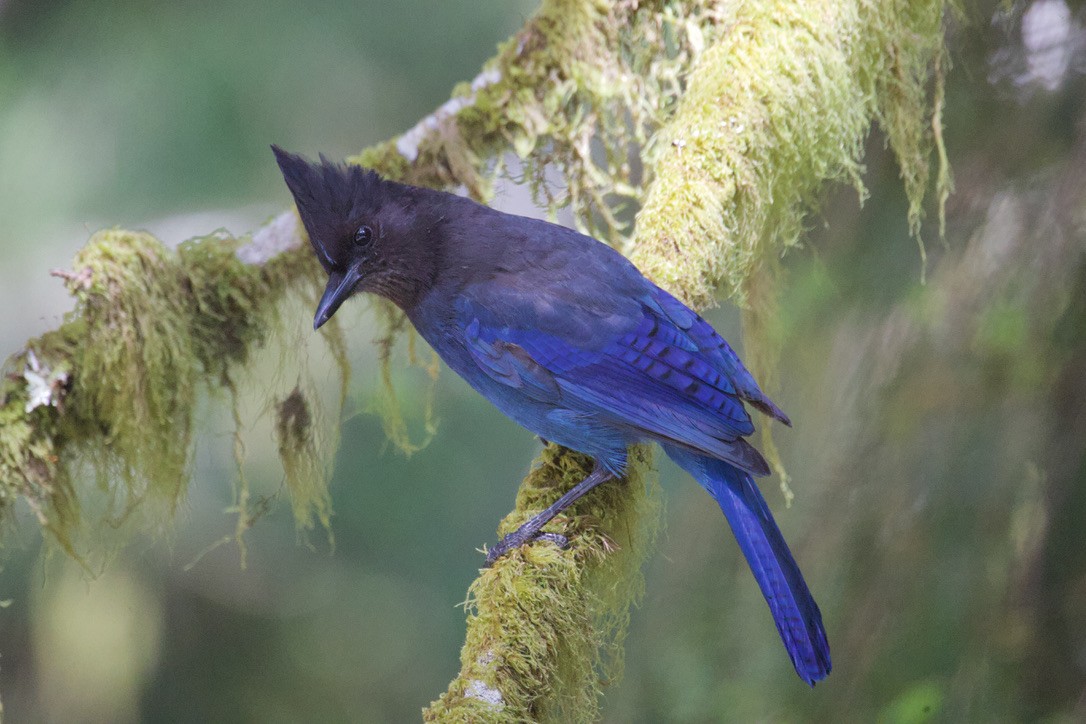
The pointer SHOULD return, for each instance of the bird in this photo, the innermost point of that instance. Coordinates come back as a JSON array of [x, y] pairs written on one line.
[[569, 339]]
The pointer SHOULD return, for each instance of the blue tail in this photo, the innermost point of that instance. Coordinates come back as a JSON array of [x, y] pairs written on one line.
[[794, 610]]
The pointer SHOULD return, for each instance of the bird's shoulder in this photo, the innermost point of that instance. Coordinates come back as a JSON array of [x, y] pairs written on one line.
[[518, 273]]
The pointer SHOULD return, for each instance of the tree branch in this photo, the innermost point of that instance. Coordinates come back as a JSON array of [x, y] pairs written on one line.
[[779, 103]]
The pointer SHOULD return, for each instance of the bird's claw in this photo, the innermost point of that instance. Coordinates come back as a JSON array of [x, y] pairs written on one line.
[[517, 539], [557, 538]]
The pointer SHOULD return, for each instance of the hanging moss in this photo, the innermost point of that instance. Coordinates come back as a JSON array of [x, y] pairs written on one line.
[[151, 328], [782, 104], [386, 402], [137, 371], [307, 471]]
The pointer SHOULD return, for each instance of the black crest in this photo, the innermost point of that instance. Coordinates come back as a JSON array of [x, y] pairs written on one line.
[[332, 198]]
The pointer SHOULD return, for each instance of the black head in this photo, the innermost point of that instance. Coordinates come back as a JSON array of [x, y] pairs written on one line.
[[369, 234]]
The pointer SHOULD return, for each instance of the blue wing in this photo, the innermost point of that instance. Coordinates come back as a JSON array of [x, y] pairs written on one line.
[[652, 366], [510, 364], [723, 359]]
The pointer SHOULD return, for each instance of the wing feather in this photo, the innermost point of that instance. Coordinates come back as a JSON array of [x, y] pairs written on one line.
[[665, 373]]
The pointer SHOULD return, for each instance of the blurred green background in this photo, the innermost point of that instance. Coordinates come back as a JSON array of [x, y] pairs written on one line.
[[940, 429]]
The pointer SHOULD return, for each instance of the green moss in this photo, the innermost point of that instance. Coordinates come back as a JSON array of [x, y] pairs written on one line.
[[782, 104], [577, 92], [387, 402], [546, 625], [151, 328], [137, 371], [307, 472]]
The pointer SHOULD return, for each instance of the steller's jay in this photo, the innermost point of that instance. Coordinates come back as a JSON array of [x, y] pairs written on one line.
[[566, 337]]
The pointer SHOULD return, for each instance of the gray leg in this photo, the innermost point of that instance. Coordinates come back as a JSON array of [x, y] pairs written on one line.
[[530, 530]]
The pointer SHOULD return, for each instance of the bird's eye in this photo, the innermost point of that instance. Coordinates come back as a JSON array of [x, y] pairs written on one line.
[[363, 236]]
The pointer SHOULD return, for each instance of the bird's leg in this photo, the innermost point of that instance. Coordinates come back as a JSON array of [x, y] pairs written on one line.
[[530, 530]]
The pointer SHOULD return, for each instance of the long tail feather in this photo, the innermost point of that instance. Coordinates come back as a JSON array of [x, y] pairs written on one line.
[[794, 610]]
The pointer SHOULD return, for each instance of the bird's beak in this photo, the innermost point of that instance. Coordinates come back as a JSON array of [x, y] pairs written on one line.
[[340, 286]]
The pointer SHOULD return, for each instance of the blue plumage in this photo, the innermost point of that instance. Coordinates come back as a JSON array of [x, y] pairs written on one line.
[[567, 338], [794, 610]]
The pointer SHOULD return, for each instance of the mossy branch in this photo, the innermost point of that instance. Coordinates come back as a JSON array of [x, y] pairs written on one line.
[[724, 118], [113, 390]]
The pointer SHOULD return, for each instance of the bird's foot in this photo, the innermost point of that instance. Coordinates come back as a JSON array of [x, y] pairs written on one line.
[[520, 537], [530, 531]]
